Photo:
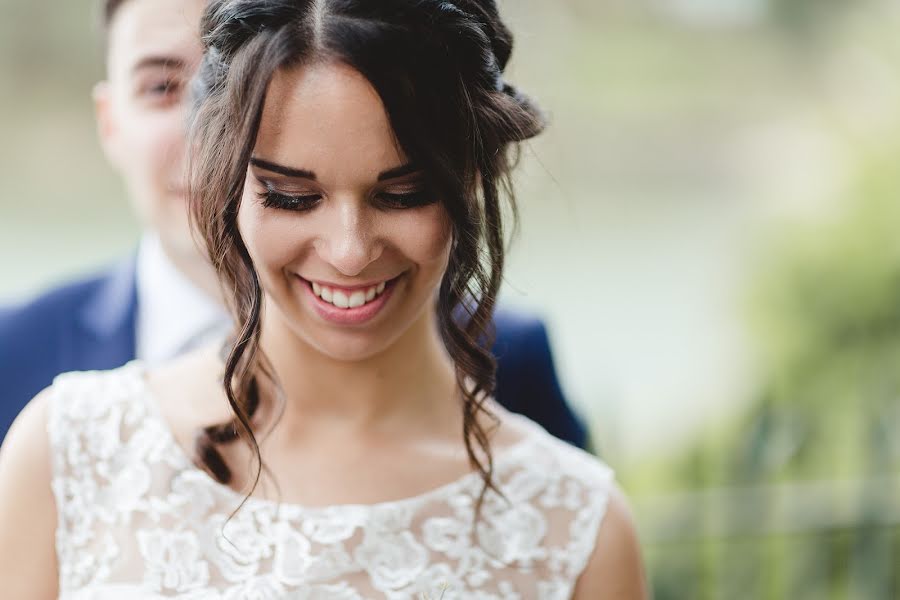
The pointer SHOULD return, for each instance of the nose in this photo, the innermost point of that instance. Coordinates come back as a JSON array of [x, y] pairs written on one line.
[[351, 241]]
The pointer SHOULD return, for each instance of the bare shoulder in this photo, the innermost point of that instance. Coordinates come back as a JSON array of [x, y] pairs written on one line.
[[27, 444], [508, 428], [615, 568], [27, 506], [188, 392], [25, 461]]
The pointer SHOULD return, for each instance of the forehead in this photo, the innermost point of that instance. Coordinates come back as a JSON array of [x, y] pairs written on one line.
[[159, 28], [328, 118]]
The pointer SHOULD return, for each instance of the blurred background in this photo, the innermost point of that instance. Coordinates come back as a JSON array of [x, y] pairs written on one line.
[[708, 227]]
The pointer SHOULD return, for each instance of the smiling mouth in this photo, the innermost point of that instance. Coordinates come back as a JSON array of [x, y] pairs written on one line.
[[348, 299], [350, 306]]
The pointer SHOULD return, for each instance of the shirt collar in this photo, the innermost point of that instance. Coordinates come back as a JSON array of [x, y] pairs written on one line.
[[173, 313]]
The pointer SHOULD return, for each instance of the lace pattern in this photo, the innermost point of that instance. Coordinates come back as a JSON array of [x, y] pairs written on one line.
[[137, 519]]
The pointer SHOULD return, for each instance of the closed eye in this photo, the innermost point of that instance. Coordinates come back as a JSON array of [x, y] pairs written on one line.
[[274, 198], [405, 200], [301, 203]]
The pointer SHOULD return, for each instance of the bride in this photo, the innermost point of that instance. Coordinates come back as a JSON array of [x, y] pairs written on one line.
[[350, 163]]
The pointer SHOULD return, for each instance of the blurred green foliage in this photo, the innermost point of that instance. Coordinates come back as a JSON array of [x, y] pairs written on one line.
[[826, 310], [810, 14], [829, 318]]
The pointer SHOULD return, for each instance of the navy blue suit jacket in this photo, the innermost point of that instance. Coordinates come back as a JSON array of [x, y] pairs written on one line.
[[90, 325]]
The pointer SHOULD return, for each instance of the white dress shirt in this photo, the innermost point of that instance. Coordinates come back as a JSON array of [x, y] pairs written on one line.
[[173, 314]]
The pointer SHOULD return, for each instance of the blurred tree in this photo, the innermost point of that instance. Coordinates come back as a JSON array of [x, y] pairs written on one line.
[[827, 313], [810, 15]]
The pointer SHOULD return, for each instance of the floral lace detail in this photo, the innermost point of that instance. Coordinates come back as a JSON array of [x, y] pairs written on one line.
[[136, 519]]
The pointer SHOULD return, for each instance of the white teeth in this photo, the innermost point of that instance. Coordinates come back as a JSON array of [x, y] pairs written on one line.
[[357, 299], [343, 299], [340, 299]]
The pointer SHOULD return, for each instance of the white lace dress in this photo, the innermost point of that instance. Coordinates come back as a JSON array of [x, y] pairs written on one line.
[[136, 519]]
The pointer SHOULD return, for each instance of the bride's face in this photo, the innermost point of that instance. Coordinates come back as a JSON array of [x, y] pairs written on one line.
[[349, 242]]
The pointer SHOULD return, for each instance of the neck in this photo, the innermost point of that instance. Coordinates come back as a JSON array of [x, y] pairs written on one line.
[[191, 263], [407, 387]]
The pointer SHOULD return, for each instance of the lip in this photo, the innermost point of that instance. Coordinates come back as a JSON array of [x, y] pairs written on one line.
[[350, 316]]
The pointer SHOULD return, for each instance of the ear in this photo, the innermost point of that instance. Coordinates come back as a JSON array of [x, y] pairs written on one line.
[[106, 122]]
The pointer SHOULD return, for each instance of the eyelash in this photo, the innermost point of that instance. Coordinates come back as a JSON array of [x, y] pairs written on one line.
[[406, 200], [274, 199]]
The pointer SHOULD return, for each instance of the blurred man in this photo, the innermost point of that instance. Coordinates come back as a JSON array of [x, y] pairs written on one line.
[[165, 300]]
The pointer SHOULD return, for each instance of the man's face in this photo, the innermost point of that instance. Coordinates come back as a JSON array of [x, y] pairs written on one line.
[[153, 50]]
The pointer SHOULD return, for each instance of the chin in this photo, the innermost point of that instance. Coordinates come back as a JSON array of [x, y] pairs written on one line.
[[349, 347]]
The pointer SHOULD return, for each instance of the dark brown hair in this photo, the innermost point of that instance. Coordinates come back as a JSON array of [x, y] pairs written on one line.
[[438, 68]]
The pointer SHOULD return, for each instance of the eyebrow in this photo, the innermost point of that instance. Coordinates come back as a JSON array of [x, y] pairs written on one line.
[[282, 170], [400, 171], [150, 62]]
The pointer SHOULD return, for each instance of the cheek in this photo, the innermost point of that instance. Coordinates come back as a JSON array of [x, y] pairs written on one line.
[[167, 144], [154, 142], [272, 239], [426, 237]]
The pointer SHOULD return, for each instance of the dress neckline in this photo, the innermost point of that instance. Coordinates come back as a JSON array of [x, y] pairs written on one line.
[[183, 463]]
